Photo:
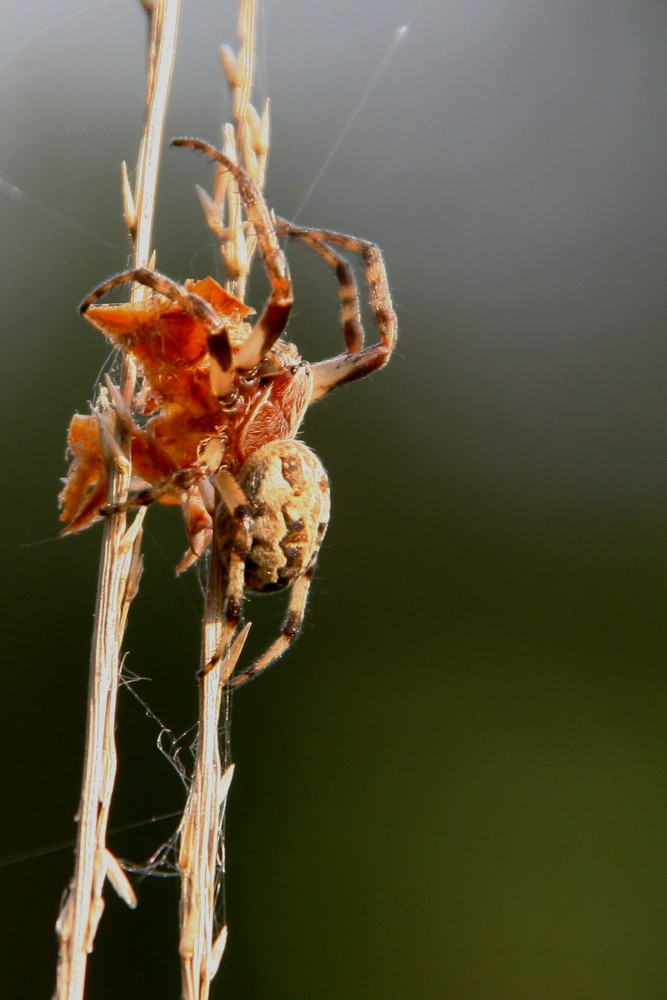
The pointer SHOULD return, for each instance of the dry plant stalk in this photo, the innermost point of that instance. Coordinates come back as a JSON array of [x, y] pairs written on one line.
[[257, 375], [120, 566], [201, 855]]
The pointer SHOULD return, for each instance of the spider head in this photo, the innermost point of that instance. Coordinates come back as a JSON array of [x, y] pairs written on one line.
[[270, 399]]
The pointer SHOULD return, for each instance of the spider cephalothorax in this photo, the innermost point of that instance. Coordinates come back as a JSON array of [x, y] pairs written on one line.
[[214, 423]]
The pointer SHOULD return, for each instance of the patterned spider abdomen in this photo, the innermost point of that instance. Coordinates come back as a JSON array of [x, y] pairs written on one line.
[[288, 494]]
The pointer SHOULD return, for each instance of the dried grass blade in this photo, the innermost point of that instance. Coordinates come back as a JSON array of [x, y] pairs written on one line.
[[120, 567]]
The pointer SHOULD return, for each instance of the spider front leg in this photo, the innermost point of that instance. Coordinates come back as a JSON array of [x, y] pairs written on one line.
[[194, 305], [273, 321], [356, 363], [350, 312]]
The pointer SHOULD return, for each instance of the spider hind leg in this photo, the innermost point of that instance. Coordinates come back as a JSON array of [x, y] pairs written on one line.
[[288, 634]]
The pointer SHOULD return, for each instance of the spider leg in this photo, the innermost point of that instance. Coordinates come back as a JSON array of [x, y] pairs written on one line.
[[170, 483], [194, 305], [239, 540], [198, 524], [351, 366], [233, 603], [218, 342], [273, 320], [350, 313], [179, 481], [288, 634]]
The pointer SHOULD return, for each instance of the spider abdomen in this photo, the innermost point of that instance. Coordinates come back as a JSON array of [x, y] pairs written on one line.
[[288, 494]]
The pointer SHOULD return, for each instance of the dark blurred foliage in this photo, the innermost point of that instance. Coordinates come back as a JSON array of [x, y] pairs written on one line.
[[455, 785]]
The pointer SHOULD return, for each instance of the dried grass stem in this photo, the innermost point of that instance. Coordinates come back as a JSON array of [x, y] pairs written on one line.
[[120, 568]]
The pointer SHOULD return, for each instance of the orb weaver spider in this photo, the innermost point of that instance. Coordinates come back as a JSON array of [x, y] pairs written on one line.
[[221, 403]]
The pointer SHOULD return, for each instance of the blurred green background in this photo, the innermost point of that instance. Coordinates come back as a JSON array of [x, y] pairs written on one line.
[[455, 785]]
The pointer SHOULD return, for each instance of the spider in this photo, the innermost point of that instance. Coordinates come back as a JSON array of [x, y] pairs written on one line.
[[224, 402]]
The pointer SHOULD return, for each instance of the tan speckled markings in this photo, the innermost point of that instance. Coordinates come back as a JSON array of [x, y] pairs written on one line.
[[271, 539]]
